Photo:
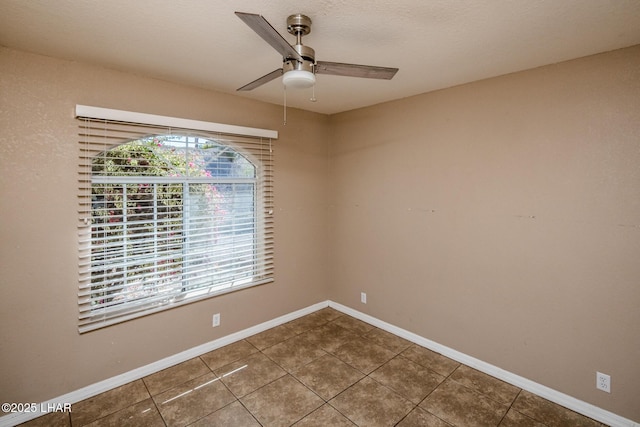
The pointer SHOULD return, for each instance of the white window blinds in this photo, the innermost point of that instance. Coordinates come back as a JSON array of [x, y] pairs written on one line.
[[169, 215]]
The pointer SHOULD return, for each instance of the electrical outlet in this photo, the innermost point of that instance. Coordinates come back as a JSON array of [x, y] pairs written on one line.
[[363, 297], [216, 320], [603, 382]]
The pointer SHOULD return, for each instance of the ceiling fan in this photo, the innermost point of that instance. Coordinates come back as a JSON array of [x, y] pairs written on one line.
[[299, 63]]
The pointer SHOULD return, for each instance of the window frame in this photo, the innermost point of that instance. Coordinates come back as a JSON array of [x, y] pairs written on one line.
[[102, 128]]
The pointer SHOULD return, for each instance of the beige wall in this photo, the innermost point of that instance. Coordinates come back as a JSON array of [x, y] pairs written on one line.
[[42, 355], [502, 219]]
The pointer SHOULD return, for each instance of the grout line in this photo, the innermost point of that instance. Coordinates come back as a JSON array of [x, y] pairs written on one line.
[[511, 404], [153, 401]]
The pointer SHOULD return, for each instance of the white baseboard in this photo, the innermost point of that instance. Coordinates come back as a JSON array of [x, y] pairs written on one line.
[[552, 395], [143, 371]]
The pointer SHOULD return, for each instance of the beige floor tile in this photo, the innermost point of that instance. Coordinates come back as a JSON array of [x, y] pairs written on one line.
[[325, 416], [368, 403], [108, 402], [549, 413], [313, 320], [421, 418], [232, 415], [485, 384], [175, 375], [363, 355], [388, 340], [353, 324], [410, 380], [330, 336], [328, 376], [193, 400], [272, 336], [228, 354], [142, 414], [282, 402], [294, 352], [461, 406], [516, 419], [52, 419], [327, 314], [430, 359], [248, 374]]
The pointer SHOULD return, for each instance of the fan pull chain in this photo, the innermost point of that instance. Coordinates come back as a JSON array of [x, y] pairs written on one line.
[[313, 94], [285, 106]]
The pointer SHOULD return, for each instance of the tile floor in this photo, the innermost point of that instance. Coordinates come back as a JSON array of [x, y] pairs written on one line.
[[324, 369]]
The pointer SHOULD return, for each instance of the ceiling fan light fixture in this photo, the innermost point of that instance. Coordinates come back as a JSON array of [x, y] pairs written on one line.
[[298, 79]]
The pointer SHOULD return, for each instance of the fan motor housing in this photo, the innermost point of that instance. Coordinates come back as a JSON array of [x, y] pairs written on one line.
[[308, 56], [292, 64]]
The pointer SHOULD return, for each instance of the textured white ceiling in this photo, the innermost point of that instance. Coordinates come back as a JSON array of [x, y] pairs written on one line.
[[435, 43]]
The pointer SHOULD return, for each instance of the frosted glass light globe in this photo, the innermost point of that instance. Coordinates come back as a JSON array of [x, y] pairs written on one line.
[[298, 79]]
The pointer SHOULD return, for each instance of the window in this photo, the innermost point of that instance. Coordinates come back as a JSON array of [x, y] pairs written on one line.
[[168, 217]]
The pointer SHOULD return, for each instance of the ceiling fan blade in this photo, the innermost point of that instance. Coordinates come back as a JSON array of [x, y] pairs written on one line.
[[262, 80], [262, 27], [353, 70]]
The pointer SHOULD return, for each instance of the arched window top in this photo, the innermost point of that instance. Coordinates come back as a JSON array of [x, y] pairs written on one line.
[[173, 156]]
